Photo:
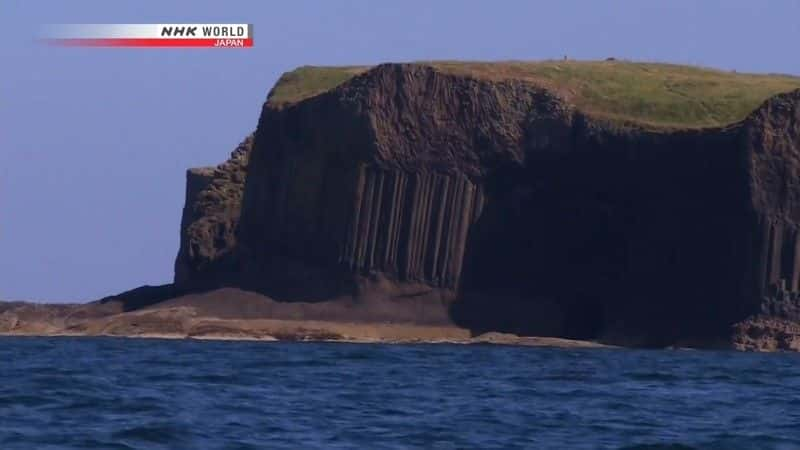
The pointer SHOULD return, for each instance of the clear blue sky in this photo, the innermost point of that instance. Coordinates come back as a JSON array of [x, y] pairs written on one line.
[[95, 142]]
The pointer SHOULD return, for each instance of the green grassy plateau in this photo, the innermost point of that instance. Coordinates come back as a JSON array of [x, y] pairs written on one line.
[[647, 93]]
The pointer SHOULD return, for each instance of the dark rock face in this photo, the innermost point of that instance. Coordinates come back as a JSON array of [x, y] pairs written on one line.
[[380, 177], [504, 202], [210, 218]]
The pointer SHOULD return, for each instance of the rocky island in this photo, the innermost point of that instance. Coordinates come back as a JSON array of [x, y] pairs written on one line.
[[613, 202]]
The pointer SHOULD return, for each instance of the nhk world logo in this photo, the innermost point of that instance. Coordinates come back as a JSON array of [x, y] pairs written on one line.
[[218, 35]]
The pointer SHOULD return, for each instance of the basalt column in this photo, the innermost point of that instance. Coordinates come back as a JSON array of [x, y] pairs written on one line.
[[778, 268], [412, 225], [326, 223]]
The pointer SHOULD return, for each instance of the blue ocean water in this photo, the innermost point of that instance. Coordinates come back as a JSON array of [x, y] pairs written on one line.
[[108, 393]]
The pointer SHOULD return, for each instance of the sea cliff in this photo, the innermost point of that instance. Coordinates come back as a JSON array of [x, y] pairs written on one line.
[[511, 199]]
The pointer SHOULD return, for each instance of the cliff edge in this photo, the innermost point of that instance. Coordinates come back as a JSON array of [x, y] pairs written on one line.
[[514, 198]]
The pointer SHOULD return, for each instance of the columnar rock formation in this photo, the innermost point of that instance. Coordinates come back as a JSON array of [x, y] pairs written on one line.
[[522, 212], [412, 226]]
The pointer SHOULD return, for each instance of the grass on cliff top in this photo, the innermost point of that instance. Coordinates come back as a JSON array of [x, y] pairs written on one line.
[[648, 93], [308, 81]]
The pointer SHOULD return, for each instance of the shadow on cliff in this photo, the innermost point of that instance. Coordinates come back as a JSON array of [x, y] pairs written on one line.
[[607, 242], [522, 275]]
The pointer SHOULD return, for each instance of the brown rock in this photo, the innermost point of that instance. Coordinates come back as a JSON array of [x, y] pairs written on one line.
[[210, 218]]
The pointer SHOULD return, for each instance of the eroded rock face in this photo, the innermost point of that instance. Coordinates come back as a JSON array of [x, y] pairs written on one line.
[[767, 333], [381, 177], [504, 202], [210, 218]]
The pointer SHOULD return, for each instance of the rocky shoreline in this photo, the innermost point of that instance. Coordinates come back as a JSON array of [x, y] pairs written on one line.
[[185, 322]]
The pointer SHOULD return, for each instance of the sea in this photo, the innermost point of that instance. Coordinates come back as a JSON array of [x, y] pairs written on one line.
[[118, 393]]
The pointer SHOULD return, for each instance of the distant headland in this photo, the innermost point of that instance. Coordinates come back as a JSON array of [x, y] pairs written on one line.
[[589, 202]]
